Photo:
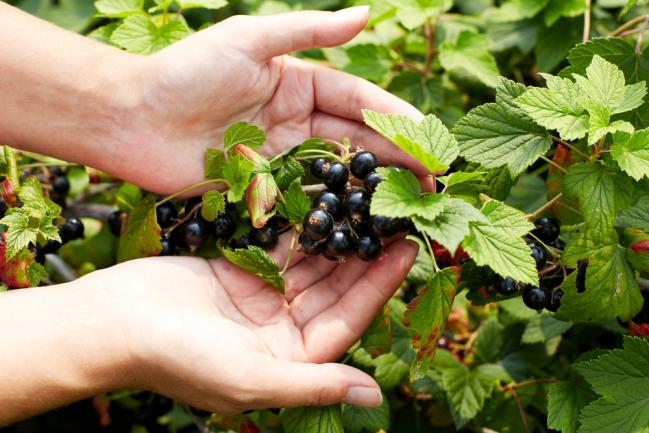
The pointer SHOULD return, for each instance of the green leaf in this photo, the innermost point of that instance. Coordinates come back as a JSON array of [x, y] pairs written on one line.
[[141, 234], [35, 204], [19, 233], [565, 402], [611, 290], [237, 172], [621, 378], [631, 151], [601, 191], [257, 262], [563, 8], [554, 43], [499, 134], [425, 94], [296, 204], [213, 205], [427, 314], [369, 61], [498, 243], [489, 342], [414, 13], [36, 273], [557, 107], [429, 141], [290, 170], [377, 338], [119, 8], [215, 162], [516, 10], [469, 55], [543, 327], [206, 4], [243, 133], [312, 420], [359, 419], [399, 195], [140, 35], [630, 4], [636, 216]]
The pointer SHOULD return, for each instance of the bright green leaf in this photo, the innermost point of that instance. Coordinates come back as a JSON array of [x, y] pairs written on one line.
[[141, 235], [119, 8], [631, 151], [140, 35], [312, 420], [469, 55], [243, 133], [213, 205], [237, 172], [257, 262], [296, 203], [215, 162]]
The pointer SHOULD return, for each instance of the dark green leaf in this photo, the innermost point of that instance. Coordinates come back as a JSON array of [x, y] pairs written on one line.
[[141, 236]]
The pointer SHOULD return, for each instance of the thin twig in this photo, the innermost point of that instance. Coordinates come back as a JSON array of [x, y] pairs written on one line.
[[638, 45], [554, 164], [192, 187], [291, 250], [90, 210], [314, 189], [537, 213], [429, 33], [626, 26], [570, 146], [410, 67], [431, 252], [521, 411], [586, 35], [199, 423]]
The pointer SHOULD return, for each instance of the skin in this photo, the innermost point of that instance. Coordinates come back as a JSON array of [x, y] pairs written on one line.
[[203, 332]]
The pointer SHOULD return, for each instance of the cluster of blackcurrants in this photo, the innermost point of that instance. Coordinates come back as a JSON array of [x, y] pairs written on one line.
[[60, 185], [339, 222], [548, 294], [70, 230]]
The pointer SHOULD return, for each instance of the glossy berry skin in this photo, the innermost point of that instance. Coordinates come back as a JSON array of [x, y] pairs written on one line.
[[310, 247], [241, 243], [60, 185], [72, 229], [539, 254], [406, 225], [554, 301], [51, 247], [318, 224], [265, 237], [223, 226], [336, 176], [369, 247], [192, 203], [360, 227], [535, 297], [362, 164], [505, 286], [358, 205], [385, 227], [115, 222], [318, 167], [371, 181], [166, 214], [547, 229], [329, 202], [338, 245], [558, 243], [168, 247], [192, 233]]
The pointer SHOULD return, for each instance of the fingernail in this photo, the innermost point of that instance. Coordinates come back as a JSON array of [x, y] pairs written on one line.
[[363, 396], [355, 11]]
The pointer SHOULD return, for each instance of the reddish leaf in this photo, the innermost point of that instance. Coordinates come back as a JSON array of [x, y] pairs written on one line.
[[8, 192], [248, 427], [636, 330], [246, 152], [13, 273], [261, 197]]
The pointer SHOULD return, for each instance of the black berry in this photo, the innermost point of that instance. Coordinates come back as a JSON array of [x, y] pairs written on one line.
[[192, 233], [547, 229], [115, 222], [51, 247], [535, 297], [385, 226], [60, 185], [336, 176], [505, 286], [223, 226], [558, 243], [240, 243], [166, 214], [360, 226], [168, 247], [369, 247], [406, 225], [318, 224], [554, 301], [39, 254], [358, 205], [192, 203], [318, 167], [407, 294], [265, 237], [371, 181], [362, 164], [338, 245], [71, 230], [309, 246], [329, 202], [539, 254]]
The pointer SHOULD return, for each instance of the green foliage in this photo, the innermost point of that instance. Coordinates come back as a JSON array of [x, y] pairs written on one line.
[[257, 262], [296, 204], [313, 420], [142, 233]]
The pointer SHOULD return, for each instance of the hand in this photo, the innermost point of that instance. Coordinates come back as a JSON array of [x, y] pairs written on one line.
[[211, 335], [236, 70]]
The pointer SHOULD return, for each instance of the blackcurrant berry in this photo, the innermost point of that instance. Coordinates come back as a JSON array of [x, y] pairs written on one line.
[[551, 281], [554, 301], [338, 245], [318, 224], [318, 167], [168, 247], [539, 254], [407, 294], [558, 243], [71, 230], [369, 247], [166, 214], [56, 171], [362, 164], [223, 226], [3, 208], [371, 181], [505, 286], [39, 254], [265, 237], [242, 242], [60, 185], [336, 176], [309, 246], [582, 265], [406, 225], [384, 227], [51, 247], [535, 297], [115, 222], [329, 202], [360, 226], [192, 233], [358, 205], [547, 229], [192, 203]]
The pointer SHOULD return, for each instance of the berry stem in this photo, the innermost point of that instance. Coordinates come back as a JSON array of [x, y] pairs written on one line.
[[626, 26], [537, 213], [184, 219], [191, 187], [554, 164], [291, 249], [571, 147], [344, 150], [521, 411], [586, 35], [314, 153], [46, 164], [430, 251], [429, 33]]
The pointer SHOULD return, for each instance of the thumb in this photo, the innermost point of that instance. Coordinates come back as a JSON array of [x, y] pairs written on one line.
[[295, 384], [265, 37]]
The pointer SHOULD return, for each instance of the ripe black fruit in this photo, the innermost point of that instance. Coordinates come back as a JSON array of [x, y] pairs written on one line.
[[39, 254], [60, 185], [51, 247], [241, 243], [265, 237], [168, 247], [505, 286], [369, 247], [338, 245], [407, 294], [71, 230], [361, 226], [554, 301], [385, 226], [336, 176], [406, 225], [558, 243], [192, 233], [329, 202], [539, 254], [318, 167], [547, 229], [166, 213], [192, 203], [362, 164], [535, 297], [115, 222], [309, 246], [358, 205], [223, 226], [318, 224], [371, 181]]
